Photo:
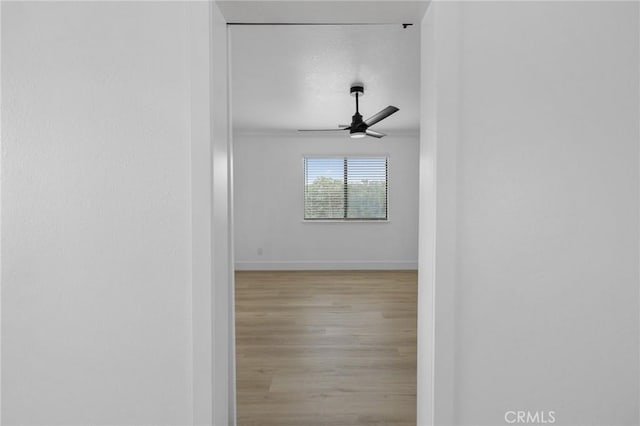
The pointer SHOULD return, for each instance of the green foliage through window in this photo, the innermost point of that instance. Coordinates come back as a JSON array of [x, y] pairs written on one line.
[[345, 188]]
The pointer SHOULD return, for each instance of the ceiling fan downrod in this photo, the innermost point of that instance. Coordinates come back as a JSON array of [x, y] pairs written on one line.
[[357, 129]]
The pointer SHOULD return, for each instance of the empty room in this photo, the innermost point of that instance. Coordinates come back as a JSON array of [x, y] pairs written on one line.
[[319, 212], [325, 222]]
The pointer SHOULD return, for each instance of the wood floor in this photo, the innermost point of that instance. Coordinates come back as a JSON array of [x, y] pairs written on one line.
[[326, 348]]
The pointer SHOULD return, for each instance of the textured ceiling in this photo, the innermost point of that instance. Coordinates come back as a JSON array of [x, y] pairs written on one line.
[[291, 77]]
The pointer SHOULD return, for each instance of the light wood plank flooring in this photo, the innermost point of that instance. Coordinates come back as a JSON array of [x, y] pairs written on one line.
[[326, 348]]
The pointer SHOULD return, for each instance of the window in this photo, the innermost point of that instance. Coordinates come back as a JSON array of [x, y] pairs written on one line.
[[345, 188]]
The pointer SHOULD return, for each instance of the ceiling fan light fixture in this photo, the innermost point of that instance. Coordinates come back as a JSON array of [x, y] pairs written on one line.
[[359, 128]]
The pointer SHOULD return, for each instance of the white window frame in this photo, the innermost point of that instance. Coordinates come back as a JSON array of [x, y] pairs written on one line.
[[347, 221]]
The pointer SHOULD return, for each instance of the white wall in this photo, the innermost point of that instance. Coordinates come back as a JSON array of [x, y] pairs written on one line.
[[543, 103], [268, 203], [102, 118]]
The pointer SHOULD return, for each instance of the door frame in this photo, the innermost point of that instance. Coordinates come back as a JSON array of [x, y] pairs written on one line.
[[213, 316]]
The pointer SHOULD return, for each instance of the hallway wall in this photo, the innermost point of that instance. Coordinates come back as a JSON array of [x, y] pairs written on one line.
[[96, 213], [530, 146]]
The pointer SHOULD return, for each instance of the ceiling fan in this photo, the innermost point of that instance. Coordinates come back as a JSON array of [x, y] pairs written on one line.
[[360, 128]]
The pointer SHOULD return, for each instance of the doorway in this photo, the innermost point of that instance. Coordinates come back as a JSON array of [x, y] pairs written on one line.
[[285, 78]]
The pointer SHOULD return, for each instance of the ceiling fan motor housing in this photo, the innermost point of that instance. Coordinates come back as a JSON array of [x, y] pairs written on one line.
[[358, 127]]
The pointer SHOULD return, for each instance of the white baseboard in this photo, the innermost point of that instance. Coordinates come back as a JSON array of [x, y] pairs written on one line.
[[307, 265]]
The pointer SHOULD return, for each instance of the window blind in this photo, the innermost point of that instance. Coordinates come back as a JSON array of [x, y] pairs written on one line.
[[345, 188]]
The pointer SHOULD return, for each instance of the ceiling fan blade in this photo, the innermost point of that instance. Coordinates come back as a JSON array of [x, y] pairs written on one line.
[[381, 115], [324, 130], [374, 133]]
